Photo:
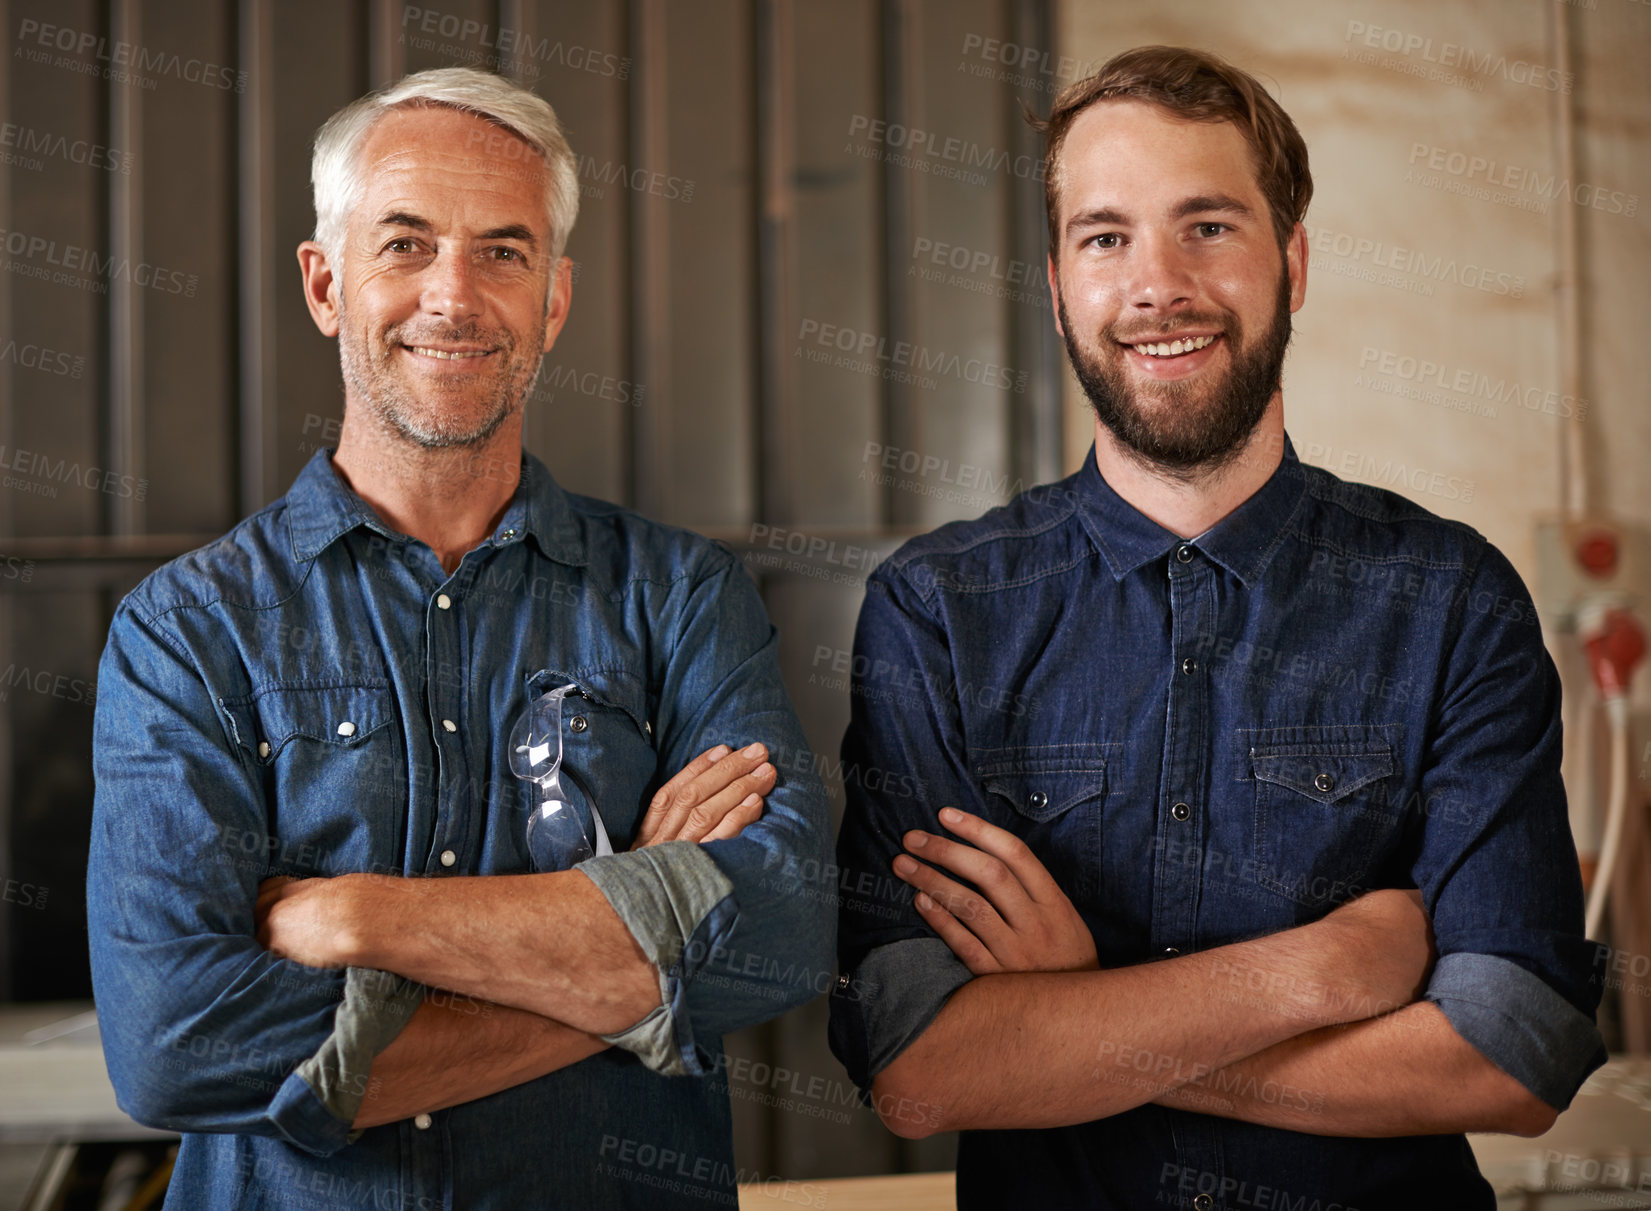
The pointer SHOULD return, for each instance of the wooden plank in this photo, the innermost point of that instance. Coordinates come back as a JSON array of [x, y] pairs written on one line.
[[907, 1192]]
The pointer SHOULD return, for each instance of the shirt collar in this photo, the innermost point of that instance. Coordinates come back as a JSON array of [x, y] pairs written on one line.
[[321, 508], [1243, 542]]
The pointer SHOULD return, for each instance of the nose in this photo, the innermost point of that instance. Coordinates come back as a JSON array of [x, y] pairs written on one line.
[[450, 287], [1161, 276]]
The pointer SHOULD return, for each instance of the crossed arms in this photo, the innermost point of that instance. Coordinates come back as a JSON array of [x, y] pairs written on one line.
[[551, 993], [1050, 1039]]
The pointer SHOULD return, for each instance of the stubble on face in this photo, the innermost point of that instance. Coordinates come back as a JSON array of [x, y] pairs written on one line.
[[1188, 429], [436, 415]]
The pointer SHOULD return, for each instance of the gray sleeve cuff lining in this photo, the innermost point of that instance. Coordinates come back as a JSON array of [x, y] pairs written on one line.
[[1518, 1023], [664, 894], [376, 1006], [906, 985]]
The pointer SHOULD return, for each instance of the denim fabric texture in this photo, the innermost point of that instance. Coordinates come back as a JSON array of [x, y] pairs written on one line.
[[1206, 740], [313, 695]]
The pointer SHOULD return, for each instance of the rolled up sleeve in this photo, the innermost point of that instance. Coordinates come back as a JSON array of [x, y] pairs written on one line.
[[1497, 864], [680, 908], [1518, 1023], [203, 1029], [742, 929], [889, 999]]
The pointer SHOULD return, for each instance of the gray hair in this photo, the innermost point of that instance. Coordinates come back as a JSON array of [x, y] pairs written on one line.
[[337, 179]]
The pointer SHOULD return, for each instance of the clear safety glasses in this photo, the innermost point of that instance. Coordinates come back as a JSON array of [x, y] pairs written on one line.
[[557, 837]]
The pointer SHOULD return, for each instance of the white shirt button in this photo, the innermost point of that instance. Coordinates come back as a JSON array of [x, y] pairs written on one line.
[[263, 748], [443, 601], [450, 725], [448, 857], [421, 1121], [346, 728]]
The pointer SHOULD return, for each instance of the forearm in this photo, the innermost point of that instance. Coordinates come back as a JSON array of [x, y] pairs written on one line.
[[1025, 1050], [1407, 1073], [549, 944], [453, 1053]]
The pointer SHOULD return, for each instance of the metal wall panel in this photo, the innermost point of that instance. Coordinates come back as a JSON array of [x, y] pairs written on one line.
[[836, 57], [317, 59], [583, 408], [186, 438], [708, 477]]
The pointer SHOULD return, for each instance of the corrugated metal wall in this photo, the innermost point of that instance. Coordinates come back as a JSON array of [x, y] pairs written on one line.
[[808, 318]]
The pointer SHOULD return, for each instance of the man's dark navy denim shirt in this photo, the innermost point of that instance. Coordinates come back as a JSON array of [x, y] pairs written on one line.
[[1332, 690]]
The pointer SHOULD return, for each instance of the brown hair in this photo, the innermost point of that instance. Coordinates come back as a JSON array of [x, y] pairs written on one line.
[[1194, 86]]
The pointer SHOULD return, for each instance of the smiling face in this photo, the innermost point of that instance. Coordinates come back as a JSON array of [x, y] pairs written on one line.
[[1170, 288], [444, 296]]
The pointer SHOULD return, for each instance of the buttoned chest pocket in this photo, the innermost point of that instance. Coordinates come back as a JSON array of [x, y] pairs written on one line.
[[1053, 797], [334, 773], [1325, 816], [608, 757]]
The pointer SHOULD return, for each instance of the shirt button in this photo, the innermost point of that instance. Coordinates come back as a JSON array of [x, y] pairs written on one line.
[[448, 857], [421, 1121], [443, 601], [346, 728], [1189, 665], [1171, 951], [1203, 1203], [1180, 811], [263, 748], [1325, 783], [507, 535], [1184, 553], [1037, 801], [450, 725], [579, 723]]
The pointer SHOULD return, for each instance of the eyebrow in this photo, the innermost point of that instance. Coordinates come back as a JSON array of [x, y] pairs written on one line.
[[1211, 202], [1204, 203], [511, 231]]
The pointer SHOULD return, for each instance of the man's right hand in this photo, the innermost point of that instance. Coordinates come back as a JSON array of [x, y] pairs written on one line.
[[1386, 946], [712, 798]]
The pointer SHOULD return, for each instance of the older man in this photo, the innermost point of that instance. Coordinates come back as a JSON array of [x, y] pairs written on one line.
[[372, 729], [1140, 967]]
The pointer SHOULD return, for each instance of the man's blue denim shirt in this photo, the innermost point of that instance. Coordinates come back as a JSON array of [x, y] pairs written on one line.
[[1332, 690], [313, 695]]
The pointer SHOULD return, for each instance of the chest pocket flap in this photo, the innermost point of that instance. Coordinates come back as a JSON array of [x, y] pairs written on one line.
[[1322, 773], [614, 688], [330, 713], [1044, 781]]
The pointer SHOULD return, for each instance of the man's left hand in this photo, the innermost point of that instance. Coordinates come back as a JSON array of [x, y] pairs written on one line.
[[1020, 920]]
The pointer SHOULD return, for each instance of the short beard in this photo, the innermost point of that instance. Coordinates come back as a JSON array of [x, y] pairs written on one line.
[[1184, 441], [368, 374]]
